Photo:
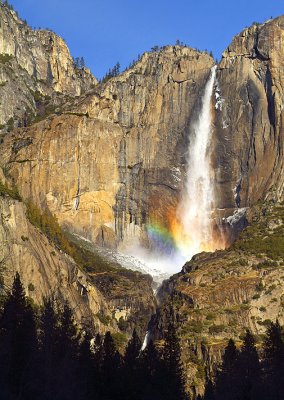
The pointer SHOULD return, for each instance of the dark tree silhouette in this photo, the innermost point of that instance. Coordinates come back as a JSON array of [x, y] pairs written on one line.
[[68, 344], [209, 393], [132, 368], [273, 362], [110, 368], [173, 365], [226, 379], [87, 372], [82, 62], [49, 349], [112, 72], [249, 369], [152, 368], [132, 351], [18, 343], [60, 365]]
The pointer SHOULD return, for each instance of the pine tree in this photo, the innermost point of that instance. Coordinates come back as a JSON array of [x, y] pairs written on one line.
[[155, 48], [67, 353], [112, 72], [226, 377], [76, 61], [110, 368], [132, 368], [153, 373], [132, 352], [98, 351], [49, 349], [151, 359], [173, 365], [87, 373], [18, 343], [82, 63], [273, 362], [115, 71], [249, 369], [68, 336], [209, 393]]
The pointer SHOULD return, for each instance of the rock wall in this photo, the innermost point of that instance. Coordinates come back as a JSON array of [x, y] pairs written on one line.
[[115, 161], [248, 139], [33, 64], [46, 271], [218, 295]]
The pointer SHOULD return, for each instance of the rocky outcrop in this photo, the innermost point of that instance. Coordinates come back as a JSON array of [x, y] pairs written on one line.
[[218, 295], [248, 138], [45, 271], [35, 66], [115, 161]]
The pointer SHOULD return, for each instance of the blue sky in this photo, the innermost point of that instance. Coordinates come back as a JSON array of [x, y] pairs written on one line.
[[107, 31]]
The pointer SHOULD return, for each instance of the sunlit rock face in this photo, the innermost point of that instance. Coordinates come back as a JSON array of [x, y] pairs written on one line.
[[248, 138], [112, 167], [116, 163], [34, 63], [46, 271]]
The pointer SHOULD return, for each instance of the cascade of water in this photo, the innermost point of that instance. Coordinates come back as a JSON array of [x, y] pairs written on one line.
[[197, 200], [190, 229], [145, 341]]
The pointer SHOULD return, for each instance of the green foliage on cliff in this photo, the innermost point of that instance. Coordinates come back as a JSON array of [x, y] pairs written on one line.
[[49, 225], [10, 124], [215, 329], [4, 58], [260, 239], [11, 192], [104, 319]]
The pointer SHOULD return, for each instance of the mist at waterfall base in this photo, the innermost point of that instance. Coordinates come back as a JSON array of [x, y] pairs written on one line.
[[189, 230]]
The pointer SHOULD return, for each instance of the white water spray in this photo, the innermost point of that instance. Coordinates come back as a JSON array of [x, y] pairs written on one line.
[[197, 201]]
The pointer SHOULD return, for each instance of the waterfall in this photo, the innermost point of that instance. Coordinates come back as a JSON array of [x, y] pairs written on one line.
[[188, 230], [145, 341], [192, 226], [197, 200]]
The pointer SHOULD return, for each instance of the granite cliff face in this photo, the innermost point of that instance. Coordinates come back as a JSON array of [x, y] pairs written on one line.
[[115, 161], [122, 164], [37, 72], [218, 295], [98, 299], [38, 78], [248, 140]]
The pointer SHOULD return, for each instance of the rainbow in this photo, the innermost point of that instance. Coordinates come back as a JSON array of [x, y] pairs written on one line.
[[161, 238], [171, 238]]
